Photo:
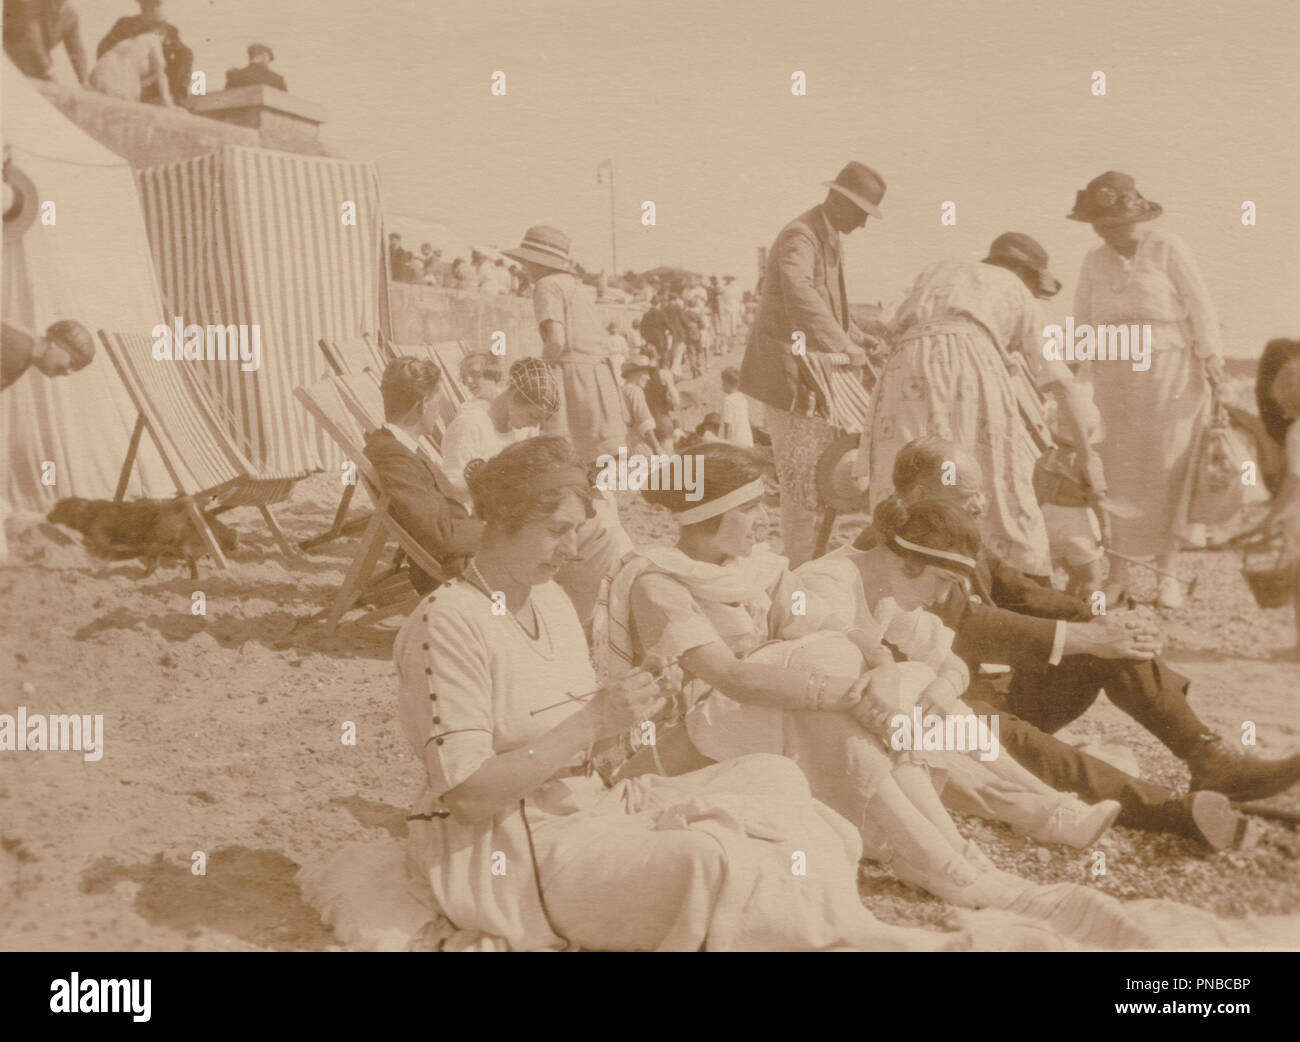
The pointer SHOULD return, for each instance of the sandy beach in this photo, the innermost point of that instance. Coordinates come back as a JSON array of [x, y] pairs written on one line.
[[223, 735]]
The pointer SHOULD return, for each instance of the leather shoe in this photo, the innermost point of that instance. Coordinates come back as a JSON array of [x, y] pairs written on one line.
[[1238, 776]]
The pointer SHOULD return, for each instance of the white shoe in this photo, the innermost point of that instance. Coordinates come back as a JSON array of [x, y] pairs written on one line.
[[1170, 593], [1075, 824]]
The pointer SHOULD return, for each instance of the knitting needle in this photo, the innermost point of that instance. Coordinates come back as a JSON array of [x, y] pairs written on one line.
[[1191, 585], [656, 673]]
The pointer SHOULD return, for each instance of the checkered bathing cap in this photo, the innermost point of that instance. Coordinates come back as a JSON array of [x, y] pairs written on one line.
[[536, 384]]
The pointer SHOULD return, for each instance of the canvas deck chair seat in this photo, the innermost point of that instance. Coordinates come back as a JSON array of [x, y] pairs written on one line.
[[199, 459], [387, 592], [355, 355]]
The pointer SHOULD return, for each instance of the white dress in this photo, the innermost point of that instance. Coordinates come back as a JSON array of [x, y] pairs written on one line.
[[707, 859], [472, 435], [1151, 417]]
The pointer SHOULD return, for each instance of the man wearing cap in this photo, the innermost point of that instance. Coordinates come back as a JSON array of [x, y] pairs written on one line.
[[258, 71], [804, 307], [955, 340], [573, 338]]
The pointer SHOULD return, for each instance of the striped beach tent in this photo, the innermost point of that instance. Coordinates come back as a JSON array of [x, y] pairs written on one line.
[[288, 243]]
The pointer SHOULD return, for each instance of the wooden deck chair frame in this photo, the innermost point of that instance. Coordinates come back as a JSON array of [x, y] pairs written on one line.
[[354, 355], [359, 583], [202, 423], [338, 360]]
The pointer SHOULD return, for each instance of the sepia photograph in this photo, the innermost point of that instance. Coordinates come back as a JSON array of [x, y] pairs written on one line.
[[596, 476]]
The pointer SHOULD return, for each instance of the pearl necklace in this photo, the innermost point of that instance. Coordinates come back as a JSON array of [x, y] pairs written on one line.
[[482, 583]]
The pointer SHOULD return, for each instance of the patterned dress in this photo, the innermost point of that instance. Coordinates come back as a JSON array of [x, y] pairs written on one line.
[[948, 375]]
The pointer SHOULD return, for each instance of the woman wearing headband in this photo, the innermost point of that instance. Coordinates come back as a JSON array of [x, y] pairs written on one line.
[[522, 845], [718, 603], [880, 595]]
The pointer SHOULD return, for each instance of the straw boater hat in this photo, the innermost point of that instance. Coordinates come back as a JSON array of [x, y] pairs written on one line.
[[861, 186], [1019, 248], [1113, 199], [544, 245]]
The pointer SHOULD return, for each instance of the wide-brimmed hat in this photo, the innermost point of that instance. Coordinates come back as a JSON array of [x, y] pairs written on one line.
[[862, 186], [1021, 249], [1113, 199], [544, 245], [255, 48], [638, 363]]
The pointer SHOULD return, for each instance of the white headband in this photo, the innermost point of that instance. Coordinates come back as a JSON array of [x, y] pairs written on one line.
[[722, 504], [927, 551]]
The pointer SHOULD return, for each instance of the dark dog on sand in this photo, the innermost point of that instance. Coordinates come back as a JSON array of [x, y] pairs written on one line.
[[150, 529]]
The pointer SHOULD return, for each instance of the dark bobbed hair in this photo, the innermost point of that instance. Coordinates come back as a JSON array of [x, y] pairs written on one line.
[[919, 460], [720, 468], [505, 490], [407, 382], [929, 523], [1276, 354]]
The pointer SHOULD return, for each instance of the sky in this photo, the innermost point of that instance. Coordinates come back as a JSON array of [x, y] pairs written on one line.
[[987, 105]]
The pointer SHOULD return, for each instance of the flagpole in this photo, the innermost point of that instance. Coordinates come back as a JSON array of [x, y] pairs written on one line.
[[613, 237]]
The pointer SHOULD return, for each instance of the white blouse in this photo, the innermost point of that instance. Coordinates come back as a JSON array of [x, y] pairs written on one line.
[[1160, 284]]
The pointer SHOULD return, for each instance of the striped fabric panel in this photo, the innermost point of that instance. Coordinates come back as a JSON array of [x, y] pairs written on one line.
[[251, 236], [192, 444], [841, 385]]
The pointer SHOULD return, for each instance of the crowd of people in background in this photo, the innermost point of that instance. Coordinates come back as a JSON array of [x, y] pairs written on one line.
[[141, 58]]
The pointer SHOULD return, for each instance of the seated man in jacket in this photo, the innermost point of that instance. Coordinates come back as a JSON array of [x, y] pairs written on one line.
[[421, 500], [1062, 656], [424, 500]]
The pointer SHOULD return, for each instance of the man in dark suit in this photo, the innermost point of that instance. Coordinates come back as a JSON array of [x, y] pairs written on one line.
[[258, 71], [421, 500], [1062, 656], [179, 58], [804, 307]]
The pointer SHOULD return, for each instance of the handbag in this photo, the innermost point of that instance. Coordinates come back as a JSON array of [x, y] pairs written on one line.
[[1218, 492]]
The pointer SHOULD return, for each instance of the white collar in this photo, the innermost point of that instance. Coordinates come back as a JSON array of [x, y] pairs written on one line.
[[402, 437]]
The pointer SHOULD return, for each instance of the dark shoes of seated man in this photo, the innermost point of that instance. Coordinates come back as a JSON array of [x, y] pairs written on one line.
[[1240, 777], [1204, 816]]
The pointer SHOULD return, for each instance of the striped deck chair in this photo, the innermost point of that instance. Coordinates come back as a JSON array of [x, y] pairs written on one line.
[[355, 355], [390, 591], [345, 357], [848, 405], [842, 387], [199, 458]]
